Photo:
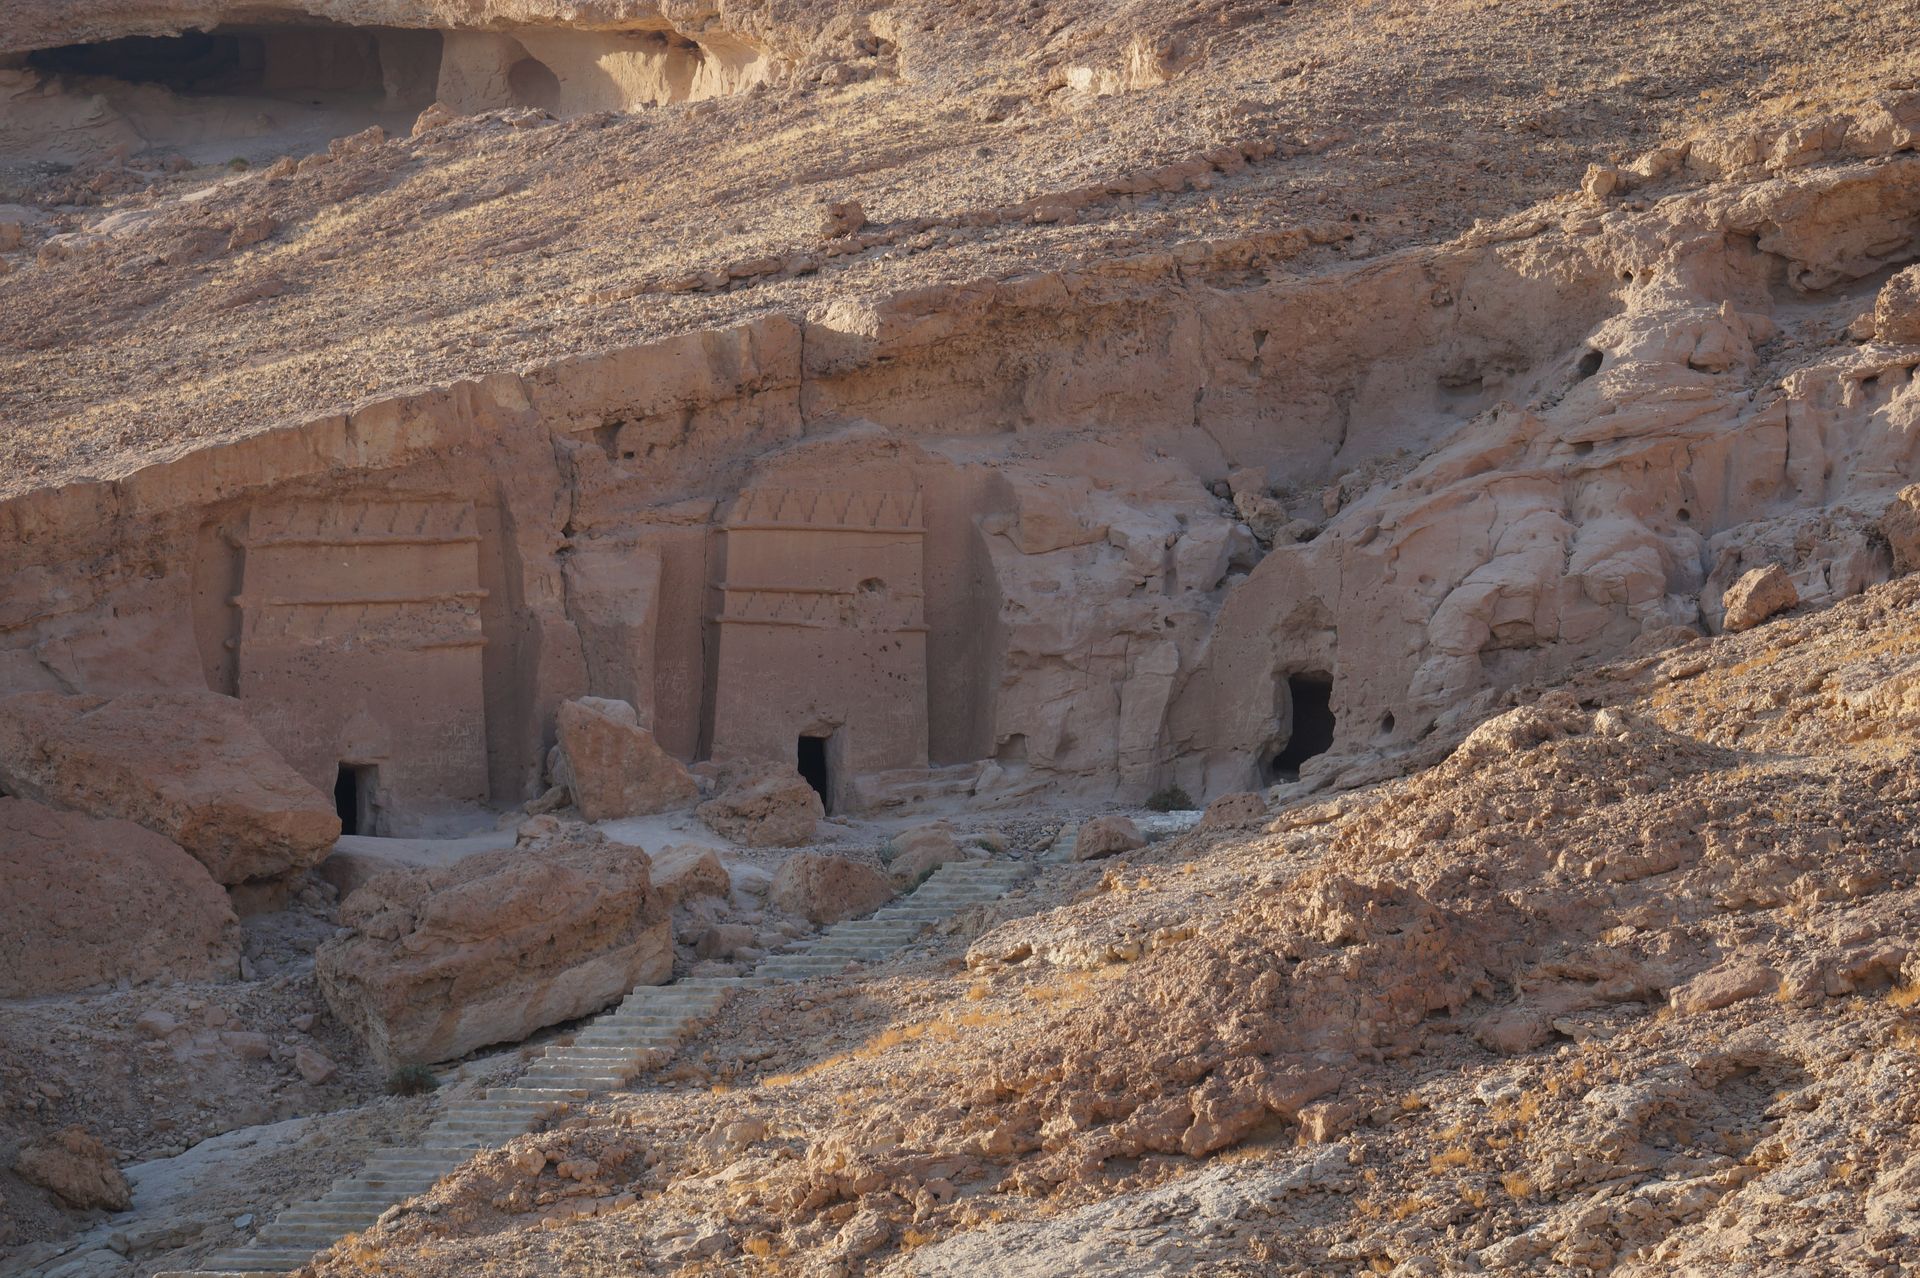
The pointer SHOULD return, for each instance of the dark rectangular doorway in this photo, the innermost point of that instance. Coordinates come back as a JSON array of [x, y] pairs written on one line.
[[353, 792], [812, 762]]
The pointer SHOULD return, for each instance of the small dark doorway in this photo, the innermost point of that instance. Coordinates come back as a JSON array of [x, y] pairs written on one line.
[[812, 763], [1312, 697], [353, 790]]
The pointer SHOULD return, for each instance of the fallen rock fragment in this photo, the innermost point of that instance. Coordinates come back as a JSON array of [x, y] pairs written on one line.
[[1242, 808], [1107, 836], [612, 766], [764, 806], [828, 889], [77, 1169], [1759, 594], [1730, 983], [187, 765], [841, 218], [441, 961], [688, 871], [923, 849]]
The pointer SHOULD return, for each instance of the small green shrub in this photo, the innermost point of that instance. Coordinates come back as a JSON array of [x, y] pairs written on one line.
[[1169, 798], [239, 164], [412, 1080]]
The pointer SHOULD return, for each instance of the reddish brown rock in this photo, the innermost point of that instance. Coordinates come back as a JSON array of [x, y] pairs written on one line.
[[77, 1169], [78, 901], [187, 765], [686, 871], [764, 806], [445, 960], [827, 889], [612, 766]]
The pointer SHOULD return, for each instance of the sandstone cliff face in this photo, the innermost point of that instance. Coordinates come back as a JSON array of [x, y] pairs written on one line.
[[1453, 471], [442, 961]]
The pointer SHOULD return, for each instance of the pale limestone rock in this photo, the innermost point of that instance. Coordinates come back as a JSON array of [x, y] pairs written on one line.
[[79, 898], [1758, 595], [612, 766], [445, 960], [1107, 836], [187, 765], [764, 806], [828, 889]]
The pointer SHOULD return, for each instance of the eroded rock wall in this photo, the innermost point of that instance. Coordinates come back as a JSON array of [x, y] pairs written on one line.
[[1074, 527]]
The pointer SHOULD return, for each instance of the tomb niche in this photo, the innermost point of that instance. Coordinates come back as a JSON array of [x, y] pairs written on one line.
[[821, 653], [359, 654]]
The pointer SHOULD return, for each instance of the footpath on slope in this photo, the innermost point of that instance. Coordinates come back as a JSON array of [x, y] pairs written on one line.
[[647, 1027]]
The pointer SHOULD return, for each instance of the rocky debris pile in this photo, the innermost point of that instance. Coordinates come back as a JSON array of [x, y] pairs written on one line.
[[441, 961], [611, 766], [189, 766], [1624, 985], [763, 805], [91, 903]]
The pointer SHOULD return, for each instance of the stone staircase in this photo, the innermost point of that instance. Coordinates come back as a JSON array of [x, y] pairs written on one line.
[[639, 1035]]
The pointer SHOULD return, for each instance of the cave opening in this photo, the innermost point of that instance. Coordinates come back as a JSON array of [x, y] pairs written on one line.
[[813, 766], [353, 794], [250, 92], [1311, 695]]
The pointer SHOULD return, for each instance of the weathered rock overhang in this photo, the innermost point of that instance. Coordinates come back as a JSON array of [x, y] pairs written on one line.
[[186, 78]]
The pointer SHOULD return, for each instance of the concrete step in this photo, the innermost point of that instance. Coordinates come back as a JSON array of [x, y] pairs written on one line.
[[260, 1260], [546, 1097]]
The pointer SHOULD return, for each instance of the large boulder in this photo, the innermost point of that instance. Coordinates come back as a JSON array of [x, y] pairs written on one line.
[[444, 960], [1107, 836], [828, 889], [612, 766], [86, 902], [77, 1169], [187, 765], [1759, 594], [764, 806]]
